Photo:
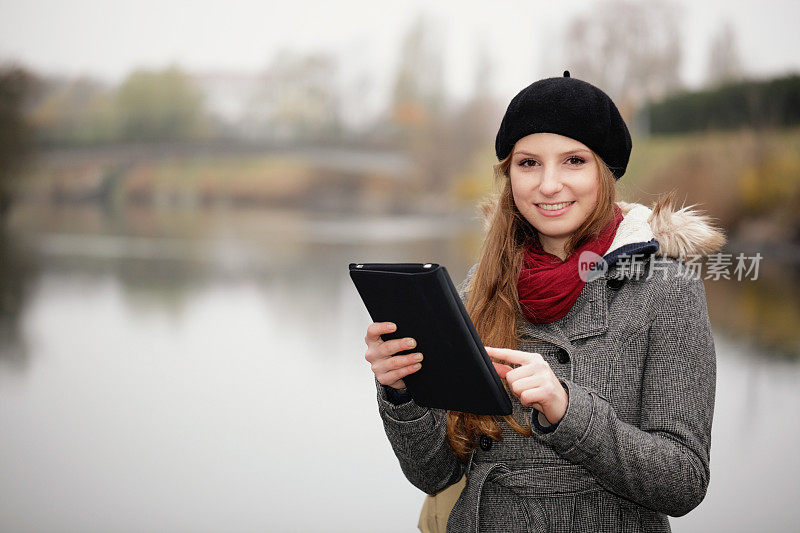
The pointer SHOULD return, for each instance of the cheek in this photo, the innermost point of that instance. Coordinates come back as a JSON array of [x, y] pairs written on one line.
[[587, 189], [517, 192]]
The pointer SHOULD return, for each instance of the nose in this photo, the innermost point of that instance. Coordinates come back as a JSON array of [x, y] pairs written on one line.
[[551, 182]]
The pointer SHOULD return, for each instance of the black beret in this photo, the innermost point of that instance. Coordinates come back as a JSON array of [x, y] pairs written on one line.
[[570, 107]]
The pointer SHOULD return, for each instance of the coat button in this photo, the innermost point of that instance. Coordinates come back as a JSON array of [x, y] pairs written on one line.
[[562, 355], [486, 443], [615, 283]]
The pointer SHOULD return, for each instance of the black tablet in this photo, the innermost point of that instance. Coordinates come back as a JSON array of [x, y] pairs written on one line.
[[421, 299]]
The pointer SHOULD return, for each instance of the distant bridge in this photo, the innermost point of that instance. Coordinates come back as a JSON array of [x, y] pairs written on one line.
[[346, 159]]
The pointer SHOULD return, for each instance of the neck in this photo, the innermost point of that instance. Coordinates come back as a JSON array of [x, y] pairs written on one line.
[[553, 246]]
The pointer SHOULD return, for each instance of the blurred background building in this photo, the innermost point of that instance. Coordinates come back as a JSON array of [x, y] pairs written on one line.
[[183, 184]]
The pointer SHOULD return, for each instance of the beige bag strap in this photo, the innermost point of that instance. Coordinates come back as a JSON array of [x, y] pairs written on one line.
[[436, 509]]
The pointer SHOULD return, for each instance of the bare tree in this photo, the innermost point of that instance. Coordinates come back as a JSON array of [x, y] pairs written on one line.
[[297, 99], [417, 114], [724, 62], [632, 50], [471, 124], [418, 91]]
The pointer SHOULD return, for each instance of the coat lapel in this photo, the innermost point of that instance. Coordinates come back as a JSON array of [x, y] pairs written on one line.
[[590, 316], [587, 317]]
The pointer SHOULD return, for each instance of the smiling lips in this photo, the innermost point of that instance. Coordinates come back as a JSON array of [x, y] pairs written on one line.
[[554, 210], [555, 207]]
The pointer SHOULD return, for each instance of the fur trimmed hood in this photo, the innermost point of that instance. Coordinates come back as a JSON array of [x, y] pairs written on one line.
[[666, 230]]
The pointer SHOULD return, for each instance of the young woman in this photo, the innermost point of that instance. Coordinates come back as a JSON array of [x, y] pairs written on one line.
[[611, 369]]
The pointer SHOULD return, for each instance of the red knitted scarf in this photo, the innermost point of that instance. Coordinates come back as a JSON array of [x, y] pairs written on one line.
[[547, 286]]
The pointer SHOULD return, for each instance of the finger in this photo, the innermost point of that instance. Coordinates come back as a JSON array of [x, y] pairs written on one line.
[[506, 355], [526, 383], [545, 393], [501, 369], [521, 372], [533, 397], [390, 377], [389, 364], [376, 329], [387, 349], [393, 346]]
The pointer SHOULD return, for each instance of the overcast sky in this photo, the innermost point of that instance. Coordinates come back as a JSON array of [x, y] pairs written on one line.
[[108, 38]]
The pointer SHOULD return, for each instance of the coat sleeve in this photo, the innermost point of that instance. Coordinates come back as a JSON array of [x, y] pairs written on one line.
[[664, 463], [418, 436]]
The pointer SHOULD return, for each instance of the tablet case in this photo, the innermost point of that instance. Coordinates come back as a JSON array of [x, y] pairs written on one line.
[[421, 299]]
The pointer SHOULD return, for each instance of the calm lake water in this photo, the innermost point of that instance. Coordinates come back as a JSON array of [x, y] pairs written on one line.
[[213, 378]]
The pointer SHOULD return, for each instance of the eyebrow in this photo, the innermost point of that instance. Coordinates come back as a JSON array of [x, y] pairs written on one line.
[[577, 151]]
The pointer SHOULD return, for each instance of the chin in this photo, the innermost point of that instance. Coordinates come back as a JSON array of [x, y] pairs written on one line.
[[556, 221], [556, 228]]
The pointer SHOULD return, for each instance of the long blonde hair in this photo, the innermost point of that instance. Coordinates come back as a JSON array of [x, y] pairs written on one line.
[[493, 301]]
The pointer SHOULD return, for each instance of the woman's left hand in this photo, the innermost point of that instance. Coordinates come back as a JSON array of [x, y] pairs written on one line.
[[533, 382]]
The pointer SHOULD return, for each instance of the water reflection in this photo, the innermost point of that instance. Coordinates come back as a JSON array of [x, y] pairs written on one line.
[[212, 378], [764, 311], [18, 275]]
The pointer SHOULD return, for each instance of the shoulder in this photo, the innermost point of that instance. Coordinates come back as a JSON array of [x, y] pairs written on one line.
[[656, 284], [658, 273], [674, 287], [671, 273]]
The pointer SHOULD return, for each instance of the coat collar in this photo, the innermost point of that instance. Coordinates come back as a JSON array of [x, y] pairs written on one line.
[[661, 231]]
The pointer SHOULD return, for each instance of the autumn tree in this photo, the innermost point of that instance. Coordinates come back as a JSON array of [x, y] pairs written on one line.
[[632, 50], [156, 105], [74, 111]]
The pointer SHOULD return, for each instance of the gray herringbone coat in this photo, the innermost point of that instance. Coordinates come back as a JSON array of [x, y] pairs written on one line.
[[634, 443]]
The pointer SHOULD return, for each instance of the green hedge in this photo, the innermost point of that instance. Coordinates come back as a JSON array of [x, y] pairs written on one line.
[[773, 103]]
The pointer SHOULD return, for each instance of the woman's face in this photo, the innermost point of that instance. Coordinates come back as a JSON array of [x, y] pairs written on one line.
[[547, 170]]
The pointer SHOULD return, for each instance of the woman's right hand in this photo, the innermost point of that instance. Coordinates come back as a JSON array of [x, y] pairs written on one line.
[[390, 369]]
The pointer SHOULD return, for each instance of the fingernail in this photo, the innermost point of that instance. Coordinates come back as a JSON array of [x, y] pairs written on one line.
[[410, 342], [417, 357], [417, 366], [391, 326]]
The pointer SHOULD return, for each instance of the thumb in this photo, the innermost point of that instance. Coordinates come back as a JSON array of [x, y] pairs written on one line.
[[501, 369]]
